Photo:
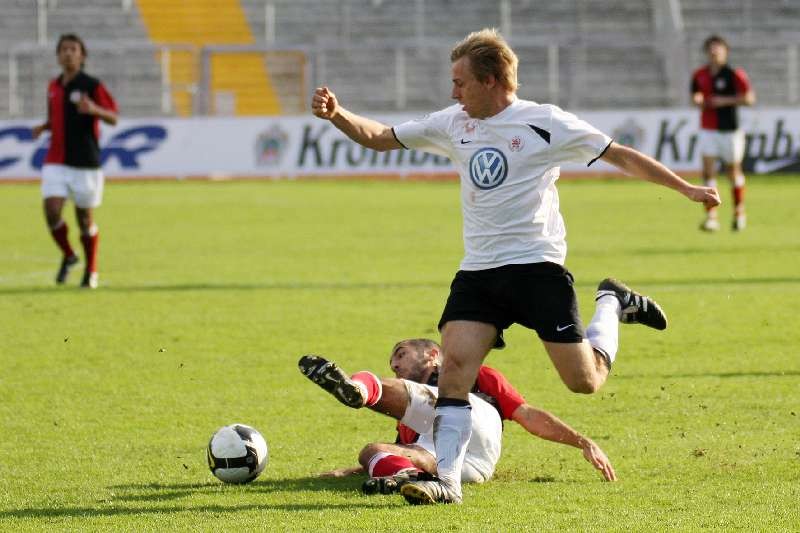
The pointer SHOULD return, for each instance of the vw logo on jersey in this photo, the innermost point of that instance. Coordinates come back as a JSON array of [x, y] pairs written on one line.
[[488, 168]]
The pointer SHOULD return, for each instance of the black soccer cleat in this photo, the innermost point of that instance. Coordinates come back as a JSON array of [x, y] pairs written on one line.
[[66, 265], [333, 379], [428, 492], [636, 308], [392, 484]]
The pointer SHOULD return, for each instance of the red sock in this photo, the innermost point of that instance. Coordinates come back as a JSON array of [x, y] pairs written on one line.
[[385, 464], [738, 197], [371, 383], [89, 242], [59, 234]]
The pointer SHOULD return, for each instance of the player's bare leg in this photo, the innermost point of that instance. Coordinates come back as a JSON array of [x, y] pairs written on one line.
[[464, 347], [584, 366], [736, 176], [388, 396], [711, 222], [394, 398], [89, 239], [390, 466], [53, 206], [581, 367]]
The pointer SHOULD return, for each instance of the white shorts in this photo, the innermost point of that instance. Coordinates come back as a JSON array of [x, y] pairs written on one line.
[[483, 449], [725, 145], [83, 185]]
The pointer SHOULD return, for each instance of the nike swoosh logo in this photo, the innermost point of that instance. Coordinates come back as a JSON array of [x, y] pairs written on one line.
[[465, 142], [562, 328], [765, 167]]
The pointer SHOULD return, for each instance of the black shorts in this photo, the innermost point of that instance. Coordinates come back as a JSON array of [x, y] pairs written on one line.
[[538, 296]]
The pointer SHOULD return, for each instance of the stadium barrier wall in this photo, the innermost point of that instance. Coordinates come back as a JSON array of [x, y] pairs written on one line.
[[304, 147]]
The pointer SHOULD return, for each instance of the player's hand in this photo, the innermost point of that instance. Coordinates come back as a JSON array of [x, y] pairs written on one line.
[[708, 196], [598, 459], [86, 105], [324, 103], [38, 130]]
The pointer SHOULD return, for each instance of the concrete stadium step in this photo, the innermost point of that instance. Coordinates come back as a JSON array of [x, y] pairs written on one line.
[[203, 22]]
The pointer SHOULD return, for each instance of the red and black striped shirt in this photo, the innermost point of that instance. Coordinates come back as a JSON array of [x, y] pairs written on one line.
[[74, 136], [726, 82]]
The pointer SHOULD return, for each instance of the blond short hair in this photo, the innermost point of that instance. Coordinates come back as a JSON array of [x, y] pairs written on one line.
[[489, 55]]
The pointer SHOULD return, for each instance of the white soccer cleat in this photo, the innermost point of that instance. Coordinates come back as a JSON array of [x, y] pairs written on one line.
[[90, 280], [710, 224]]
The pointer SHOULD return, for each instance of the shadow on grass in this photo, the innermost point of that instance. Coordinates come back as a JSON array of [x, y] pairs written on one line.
[[155, 493], [88, 512], [167, 491], [222, 286], [700, 249], [311, 286], [724, 375]]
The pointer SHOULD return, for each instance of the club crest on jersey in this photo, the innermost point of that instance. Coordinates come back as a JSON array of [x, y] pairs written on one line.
[[516, 144], [488, 168], [469, 127], [720, 83]]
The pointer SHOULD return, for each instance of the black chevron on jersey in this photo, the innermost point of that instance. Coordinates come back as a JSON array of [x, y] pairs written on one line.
[[544, 134]]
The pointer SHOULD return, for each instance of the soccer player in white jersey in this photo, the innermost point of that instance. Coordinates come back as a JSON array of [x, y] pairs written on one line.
[[508, 153]]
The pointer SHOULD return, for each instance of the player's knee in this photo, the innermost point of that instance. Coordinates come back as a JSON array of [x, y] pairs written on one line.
[[366, 453], [583, 384]]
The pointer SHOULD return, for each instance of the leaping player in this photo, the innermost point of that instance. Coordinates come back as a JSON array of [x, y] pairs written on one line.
[[410, 398], [508, 153]]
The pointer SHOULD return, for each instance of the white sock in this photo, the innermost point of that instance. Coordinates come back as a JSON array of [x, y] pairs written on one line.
[[603, 330], [452, 428]]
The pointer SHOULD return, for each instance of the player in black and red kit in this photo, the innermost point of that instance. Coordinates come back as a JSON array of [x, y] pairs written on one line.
[[75, 102], [410, 399], [718, 90]]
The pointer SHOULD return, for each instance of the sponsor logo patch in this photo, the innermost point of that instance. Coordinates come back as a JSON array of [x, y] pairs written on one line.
[[488, 168]]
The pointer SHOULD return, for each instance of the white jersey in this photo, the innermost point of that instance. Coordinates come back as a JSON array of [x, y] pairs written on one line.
[[508, 164]]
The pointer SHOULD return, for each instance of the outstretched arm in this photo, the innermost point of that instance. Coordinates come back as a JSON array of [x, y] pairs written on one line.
[[636, 163], [547, 426], [364, 131]]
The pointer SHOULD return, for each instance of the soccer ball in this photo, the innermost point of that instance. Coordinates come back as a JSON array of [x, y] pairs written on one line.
[[237, 453]]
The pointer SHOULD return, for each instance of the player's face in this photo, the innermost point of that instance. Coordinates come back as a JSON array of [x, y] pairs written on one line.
[[70, 55], [473, 95], [409, 363], [717, 54]]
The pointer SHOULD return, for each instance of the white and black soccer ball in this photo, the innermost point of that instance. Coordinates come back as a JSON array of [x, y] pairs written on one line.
[[237, 453]]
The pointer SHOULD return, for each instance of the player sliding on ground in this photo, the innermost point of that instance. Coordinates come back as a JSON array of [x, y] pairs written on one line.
[[508, 153], [410, 399]]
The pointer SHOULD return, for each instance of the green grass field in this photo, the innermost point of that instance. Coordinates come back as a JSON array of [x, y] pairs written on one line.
[[211, 291]]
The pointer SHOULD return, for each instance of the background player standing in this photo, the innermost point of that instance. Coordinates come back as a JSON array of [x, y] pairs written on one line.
[[75, 102], [718, 90]]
